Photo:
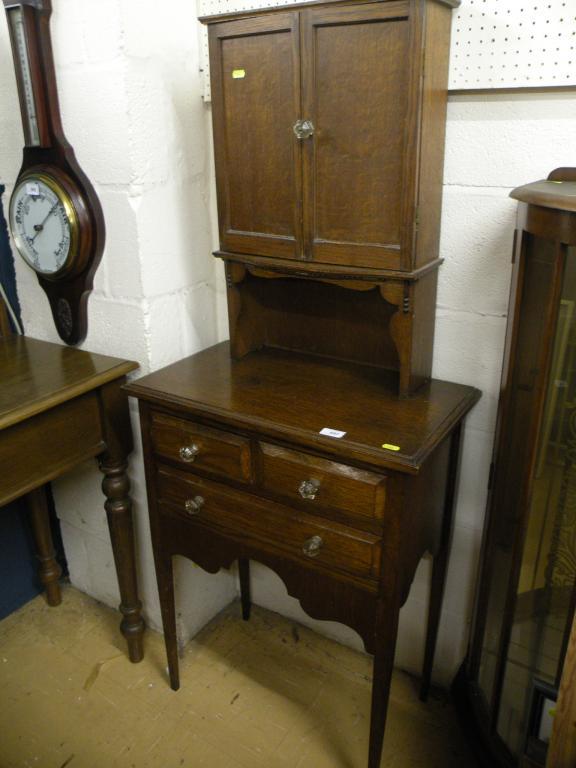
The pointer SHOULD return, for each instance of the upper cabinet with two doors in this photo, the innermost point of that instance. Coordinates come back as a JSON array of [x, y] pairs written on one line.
[[329, 123]]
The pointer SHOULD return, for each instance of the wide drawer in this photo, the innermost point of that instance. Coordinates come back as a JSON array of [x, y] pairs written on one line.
[[197, 447], [320, 484], [274, 527], [42, 447]]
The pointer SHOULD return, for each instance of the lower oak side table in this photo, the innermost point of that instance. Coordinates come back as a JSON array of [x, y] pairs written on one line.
[[314, 468], [58, 407]]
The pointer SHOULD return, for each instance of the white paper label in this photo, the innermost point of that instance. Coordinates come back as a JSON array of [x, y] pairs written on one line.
[[332, 432], [32, 189]]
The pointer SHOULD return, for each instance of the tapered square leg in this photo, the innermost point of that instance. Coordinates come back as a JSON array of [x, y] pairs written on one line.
[[440, 566], [165, 579], [245, 596], [386, 631]]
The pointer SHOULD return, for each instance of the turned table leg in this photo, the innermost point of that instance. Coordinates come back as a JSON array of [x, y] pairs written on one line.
[[49, 571], [244, 573], [440, 566], [118, 507]]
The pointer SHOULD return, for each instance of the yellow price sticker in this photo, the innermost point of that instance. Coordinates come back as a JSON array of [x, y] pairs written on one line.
[[238, 74], [390, 447]]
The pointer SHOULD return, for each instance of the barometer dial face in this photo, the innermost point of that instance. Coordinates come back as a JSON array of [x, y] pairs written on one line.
[[44, 224]]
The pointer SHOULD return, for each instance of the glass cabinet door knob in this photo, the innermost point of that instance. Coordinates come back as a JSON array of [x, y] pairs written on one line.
[[312, 546], [308, 489], [193, 506], [189, 452]]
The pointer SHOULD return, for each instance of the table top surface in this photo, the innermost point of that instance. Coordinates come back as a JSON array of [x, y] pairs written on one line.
[[548, 193], [38, 375], [294, 396]]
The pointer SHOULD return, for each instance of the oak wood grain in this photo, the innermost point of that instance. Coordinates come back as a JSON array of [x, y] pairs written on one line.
[[250, 518], [345, 273], [49, 571], [38, 449], [434, 102], [361, 568], [372, 79], [549, 193], [219, 453], [358, 199], [341, 489], [37, 375], [292, 396], [58, 407], [356, 68], [255, 70], [219, 17]]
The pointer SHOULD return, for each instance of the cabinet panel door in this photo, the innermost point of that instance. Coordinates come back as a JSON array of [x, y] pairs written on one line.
[[255, 66], [357, 92]]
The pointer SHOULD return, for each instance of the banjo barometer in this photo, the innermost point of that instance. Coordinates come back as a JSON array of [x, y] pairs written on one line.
[[55, 216]]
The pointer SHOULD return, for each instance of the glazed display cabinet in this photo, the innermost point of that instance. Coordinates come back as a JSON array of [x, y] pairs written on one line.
[[526, 595]]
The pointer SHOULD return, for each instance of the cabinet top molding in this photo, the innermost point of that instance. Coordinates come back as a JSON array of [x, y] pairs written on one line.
[[548, 193], [216, 18]]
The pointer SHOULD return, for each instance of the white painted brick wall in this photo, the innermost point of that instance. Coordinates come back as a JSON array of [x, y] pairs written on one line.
[[129, 82], [129, 90]]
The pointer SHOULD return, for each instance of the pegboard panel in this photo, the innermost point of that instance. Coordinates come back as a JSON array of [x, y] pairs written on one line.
[[495, 43], [513, 44]]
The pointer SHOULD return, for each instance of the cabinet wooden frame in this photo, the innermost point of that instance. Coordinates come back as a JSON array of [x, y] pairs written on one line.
[[546, 235], [346, 485], [399, 195], [388, 324], [373, 513], [353, 206]]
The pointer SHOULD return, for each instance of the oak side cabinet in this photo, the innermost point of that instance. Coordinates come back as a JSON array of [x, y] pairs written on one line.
[[314, 441], [329, 127]]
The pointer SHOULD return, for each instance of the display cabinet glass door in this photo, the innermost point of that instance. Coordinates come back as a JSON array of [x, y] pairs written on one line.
[[532, 544]]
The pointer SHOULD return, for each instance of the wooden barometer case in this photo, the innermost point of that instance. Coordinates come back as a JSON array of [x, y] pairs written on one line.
[[55, 216]]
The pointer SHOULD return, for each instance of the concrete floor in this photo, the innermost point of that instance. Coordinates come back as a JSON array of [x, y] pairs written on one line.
[[263, 694]]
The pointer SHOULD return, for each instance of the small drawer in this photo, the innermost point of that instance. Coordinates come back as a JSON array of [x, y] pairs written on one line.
[[320, 484], [201, 448], [269, 526]]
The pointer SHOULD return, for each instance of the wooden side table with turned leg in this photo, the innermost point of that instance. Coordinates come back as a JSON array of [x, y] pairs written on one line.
[[58, 407]]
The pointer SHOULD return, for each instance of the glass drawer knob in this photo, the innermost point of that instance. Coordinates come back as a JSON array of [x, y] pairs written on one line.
[[312, 546], [189, 452], [308, 489], [193, 506], [303, 129]]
